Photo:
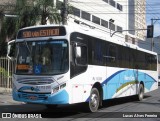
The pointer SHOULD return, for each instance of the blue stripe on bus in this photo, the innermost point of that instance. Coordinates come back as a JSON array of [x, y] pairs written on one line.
[[115, 81], [112, 76]]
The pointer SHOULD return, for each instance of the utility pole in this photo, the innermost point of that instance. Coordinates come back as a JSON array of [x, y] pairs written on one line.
[[152, 37], [152, 23], [65, 12]]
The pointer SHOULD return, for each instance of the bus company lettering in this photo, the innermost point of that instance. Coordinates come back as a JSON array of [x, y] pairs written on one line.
[[129, 78], [41, 33], [44, 87]]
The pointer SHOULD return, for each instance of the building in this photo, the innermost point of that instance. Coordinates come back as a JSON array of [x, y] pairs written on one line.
[[113, 15], [140, 18], [106, 15], [137, 18]]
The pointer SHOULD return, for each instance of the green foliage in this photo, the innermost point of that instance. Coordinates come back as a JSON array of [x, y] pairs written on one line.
[[7, 31], [46, 11], [28, 15], [4, 73], [40, 11], [8, 27]]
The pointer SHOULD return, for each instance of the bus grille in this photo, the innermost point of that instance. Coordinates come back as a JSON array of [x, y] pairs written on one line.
[[33, 96], [37, 81]]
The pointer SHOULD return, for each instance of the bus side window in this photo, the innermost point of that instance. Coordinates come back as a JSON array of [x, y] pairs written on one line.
[[81, 55], [152, 62], [98, 52], [79, 59], [112, 55], [147, 62]]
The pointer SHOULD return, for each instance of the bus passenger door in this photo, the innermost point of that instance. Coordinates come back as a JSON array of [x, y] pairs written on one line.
[[78, 65], [78, 71], [79, 59]]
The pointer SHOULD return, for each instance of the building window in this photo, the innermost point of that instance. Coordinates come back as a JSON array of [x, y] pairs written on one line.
[[119, 7], [76, 11], [104, 23], [86, 15], [111, 26], [119, 29], [95, 20], [112, 3]]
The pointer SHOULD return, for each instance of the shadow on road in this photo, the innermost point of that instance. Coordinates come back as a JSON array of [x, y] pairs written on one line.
[[118, 101], [77, 110], [59, 112]]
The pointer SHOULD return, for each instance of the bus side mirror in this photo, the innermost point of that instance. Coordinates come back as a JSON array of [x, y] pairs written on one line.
[[78, 52], [81, 55], [11, 49]]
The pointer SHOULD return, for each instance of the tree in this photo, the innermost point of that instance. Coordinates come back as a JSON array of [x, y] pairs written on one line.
[[46, 11], [38, 12], [27, 15], [7, 31]]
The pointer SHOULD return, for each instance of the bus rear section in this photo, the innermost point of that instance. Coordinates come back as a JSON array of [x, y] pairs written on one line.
[[101, 70]]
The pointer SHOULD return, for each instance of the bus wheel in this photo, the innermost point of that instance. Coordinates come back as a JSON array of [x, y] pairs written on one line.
[[141, 92], [51, 106], [94, 100]]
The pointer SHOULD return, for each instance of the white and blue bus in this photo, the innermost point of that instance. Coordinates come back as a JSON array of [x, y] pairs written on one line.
[[65, 65]]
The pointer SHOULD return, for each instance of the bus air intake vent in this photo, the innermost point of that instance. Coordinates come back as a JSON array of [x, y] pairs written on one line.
[[37, 81]]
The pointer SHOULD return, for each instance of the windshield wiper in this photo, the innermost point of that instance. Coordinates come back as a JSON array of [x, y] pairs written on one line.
[[27, 46]]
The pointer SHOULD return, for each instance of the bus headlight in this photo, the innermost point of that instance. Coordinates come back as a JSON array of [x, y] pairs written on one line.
[[57, 88], [63, 86]]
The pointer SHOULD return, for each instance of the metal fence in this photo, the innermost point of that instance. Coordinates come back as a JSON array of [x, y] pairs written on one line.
[[6, 71]]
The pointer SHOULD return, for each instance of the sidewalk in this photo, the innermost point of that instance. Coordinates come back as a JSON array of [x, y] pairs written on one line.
[[6, 99]]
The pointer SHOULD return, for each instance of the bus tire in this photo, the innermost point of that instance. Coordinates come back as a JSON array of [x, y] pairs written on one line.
[[94, 100], [141, 92]]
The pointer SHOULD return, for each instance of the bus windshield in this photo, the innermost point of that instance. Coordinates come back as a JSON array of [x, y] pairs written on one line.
[[49, 57]]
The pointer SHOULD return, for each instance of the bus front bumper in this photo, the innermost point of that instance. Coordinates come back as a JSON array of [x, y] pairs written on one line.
[[60, 97]]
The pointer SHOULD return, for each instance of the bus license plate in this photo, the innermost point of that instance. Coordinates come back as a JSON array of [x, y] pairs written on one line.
[[32, 97]]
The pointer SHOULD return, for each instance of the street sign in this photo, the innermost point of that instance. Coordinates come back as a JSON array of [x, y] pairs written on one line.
[[150, 30]]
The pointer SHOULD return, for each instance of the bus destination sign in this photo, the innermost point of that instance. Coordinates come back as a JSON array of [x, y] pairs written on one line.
[[41, 32]]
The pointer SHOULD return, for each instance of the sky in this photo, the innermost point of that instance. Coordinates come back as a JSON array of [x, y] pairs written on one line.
[[153, 12]]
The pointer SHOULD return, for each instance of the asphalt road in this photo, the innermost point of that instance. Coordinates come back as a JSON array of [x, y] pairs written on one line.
[[123, 109]]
